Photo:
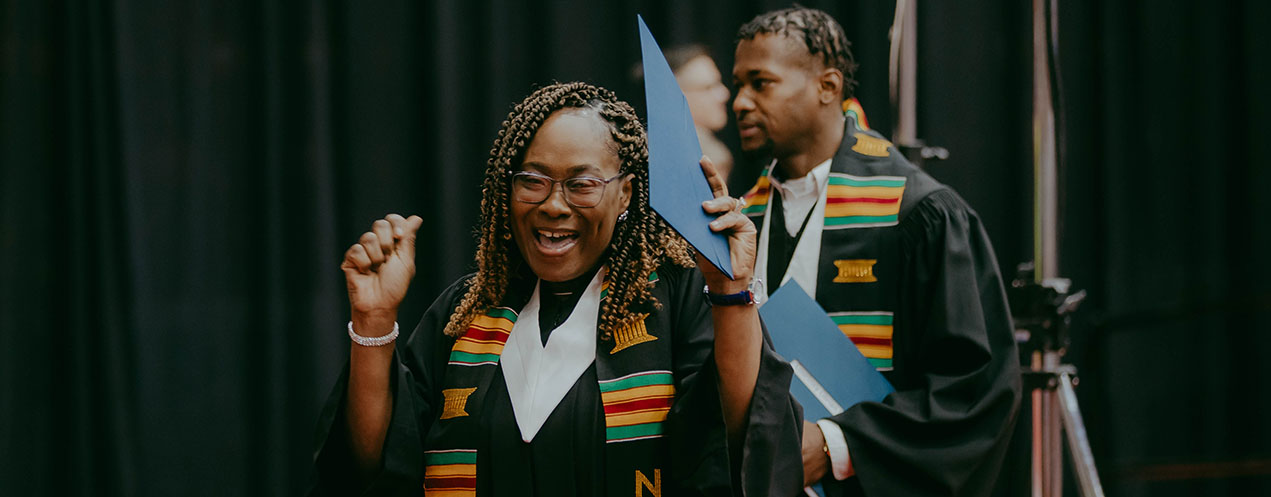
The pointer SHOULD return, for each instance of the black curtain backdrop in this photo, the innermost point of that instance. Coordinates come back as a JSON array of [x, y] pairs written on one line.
[[180, 180]]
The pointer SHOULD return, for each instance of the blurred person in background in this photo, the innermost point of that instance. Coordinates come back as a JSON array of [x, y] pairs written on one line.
[[707, 97]]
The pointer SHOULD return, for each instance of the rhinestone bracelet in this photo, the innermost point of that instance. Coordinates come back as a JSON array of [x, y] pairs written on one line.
[[373, 341]]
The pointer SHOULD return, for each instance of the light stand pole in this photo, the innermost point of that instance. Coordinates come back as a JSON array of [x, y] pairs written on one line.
[[902, 76], [1041, 301]]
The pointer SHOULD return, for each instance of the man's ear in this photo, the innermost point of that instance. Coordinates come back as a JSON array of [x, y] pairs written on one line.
[[830, 86]]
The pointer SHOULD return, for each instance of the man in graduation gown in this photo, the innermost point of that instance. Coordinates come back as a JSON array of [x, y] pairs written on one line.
[[898, 260]]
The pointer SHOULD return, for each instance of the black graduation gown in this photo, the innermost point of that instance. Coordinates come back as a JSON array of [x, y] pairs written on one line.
[[568, 456], [951, 353]]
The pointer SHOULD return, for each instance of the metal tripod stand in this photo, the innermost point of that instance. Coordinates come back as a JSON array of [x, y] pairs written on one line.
[[1042, 312]]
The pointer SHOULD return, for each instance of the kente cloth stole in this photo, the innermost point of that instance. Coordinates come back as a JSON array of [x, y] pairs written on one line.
[[636, 385], [856, 207]]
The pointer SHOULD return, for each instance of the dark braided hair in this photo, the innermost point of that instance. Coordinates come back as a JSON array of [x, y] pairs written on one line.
[[639, 245], [822, 35]]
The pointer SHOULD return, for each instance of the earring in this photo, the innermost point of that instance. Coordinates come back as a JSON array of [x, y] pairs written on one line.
[[622, 217]]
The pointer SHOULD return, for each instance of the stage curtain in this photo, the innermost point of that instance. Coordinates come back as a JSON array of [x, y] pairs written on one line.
[[179, 180]]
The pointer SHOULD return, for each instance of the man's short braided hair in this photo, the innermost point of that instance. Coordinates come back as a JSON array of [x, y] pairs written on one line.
[[822, 35]]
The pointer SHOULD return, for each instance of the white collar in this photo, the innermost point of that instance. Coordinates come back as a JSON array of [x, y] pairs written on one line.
[[807, 186], [538, 376], [807, 252], [799, 196]]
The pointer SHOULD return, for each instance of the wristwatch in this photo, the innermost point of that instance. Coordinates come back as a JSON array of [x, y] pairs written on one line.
[[752, 295]]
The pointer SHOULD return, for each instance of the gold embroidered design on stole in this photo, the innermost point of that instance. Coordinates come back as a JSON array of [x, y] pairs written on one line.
[[631, 335], [868, 145], [855, 271], [456, 399]]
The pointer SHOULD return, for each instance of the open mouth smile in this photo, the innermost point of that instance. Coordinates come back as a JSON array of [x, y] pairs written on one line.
[[555, 242]]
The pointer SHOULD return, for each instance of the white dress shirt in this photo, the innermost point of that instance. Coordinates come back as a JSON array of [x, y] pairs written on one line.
[[799, 195]]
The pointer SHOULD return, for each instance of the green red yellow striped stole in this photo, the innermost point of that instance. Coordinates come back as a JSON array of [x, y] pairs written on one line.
[[636, 405], [850, 201], [450, 473], [757, 198], [862, 201], [604, 286], [871, 332], [852, 107], [483, 342]]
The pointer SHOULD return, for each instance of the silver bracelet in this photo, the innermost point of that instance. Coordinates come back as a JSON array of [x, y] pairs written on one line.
[[373, 341]]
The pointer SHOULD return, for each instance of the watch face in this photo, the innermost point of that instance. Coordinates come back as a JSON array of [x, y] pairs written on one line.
[[759, 293]]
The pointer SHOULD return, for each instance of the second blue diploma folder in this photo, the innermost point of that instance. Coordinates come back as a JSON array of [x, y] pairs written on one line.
[[831, 375]]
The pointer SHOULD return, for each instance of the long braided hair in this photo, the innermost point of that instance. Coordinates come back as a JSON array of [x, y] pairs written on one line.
[[639, 245]]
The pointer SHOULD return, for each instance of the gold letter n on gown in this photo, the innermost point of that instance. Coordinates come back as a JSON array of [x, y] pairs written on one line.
[[642, 482]]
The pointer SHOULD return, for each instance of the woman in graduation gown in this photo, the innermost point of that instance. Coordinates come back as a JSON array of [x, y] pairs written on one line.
[[582, 358]]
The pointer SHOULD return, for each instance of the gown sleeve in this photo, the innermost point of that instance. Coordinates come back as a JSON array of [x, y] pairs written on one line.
[[945, 429], [417, 369], [770, 459]]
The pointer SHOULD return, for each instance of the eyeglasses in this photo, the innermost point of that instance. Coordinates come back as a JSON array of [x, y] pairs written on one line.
[[580, 191]]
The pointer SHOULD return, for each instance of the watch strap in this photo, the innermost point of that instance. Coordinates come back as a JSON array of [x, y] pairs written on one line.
[[744, 297]]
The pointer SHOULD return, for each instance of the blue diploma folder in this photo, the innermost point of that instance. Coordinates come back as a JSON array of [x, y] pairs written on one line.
[[831, 375], [677, 186]]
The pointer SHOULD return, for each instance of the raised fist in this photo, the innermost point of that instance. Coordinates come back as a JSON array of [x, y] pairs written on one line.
[[379, 267]]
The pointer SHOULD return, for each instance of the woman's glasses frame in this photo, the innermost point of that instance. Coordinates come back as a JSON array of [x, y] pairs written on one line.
[[527, 187]]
